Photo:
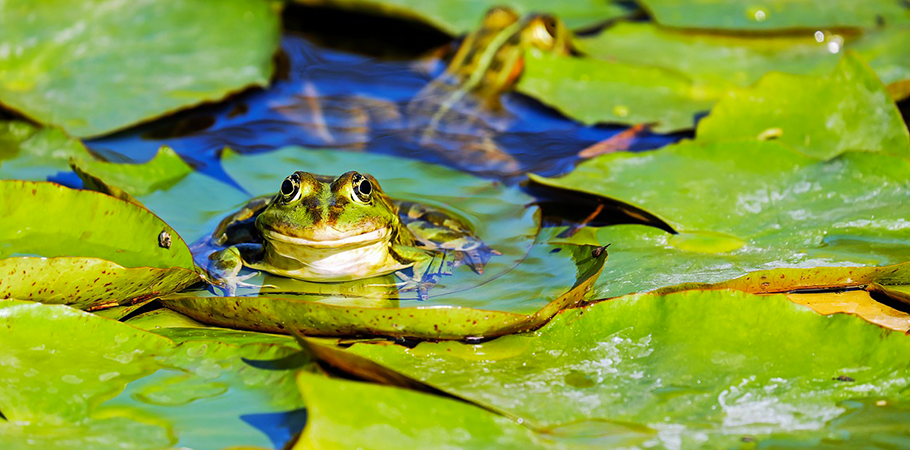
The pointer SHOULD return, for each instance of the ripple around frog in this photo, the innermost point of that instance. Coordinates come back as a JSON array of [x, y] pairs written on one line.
[[514, 287]]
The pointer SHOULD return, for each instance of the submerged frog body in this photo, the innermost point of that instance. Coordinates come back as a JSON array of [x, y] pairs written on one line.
[[326, 229], [458, 114]]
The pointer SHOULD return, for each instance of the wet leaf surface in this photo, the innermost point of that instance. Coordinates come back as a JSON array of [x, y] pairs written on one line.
[[399, 418], [33, 153], [125, 181], [748, 15], [458, 17], [722, 62], [848, 110], [58, 365], [58, 65], [595, 91], [755, 206], [85, 248], [703, 369]]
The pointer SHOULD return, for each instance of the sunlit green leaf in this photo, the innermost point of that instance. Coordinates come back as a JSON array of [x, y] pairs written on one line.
[[85, 248], [776, 14], [720, 62], [162, 318], [749, 206], [85, 65], [820, 116], [58, 365], [703, 368], [457, 17], [395, 418], [595, 91]]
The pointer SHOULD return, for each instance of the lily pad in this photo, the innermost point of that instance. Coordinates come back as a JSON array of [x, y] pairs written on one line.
[[754, 206], [457, 17], [751, 15], [825, 116], [900, 293], [28, 152], [858, 303], [596, 91], [85, 248], [703, 369], [222, 388], [396, 418], [126, 181], [57, 67], [511, 283], [720, 62], [59, 364]]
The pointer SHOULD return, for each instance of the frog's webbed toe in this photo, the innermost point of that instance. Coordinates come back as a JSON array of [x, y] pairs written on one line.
[[413, 283]]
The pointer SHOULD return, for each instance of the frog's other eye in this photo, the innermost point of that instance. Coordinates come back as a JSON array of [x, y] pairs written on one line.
[[290, 188], [362, 188]]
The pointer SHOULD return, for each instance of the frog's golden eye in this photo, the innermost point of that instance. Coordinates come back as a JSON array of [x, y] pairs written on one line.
[[290, 188], [362, 188]]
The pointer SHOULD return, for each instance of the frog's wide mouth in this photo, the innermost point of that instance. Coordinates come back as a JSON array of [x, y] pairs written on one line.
[[370, 237]]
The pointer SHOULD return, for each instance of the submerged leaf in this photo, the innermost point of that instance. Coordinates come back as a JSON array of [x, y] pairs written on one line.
[[85, 248], [701, 368], [28, 152], [57, 66]]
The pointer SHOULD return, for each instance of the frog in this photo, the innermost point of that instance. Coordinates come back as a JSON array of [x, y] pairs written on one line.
[[337, 229]]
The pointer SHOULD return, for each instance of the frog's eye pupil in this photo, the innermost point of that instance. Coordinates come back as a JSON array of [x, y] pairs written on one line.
[[287, 187], [362, 189]]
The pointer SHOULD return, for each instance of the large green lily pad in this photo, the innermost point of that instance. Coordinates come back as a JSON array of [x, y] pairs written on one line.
[[56, 66], [776, 14], [702, 368], [594, 91], [222, 388], [85, 248], [396, 418], [75, 380], [511, 283], [820, 116], [458, 17], [127, 181], [753, 206], [59, 364], [722, 62], [28, 152]]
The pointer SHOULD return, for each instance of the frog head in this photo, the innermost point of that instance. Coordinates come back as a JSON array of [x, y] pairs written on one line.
[[349, 211]]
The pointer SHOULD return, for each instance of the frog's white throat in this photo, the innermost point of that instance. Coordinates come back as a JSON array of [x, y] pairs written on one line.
[[349, 258]]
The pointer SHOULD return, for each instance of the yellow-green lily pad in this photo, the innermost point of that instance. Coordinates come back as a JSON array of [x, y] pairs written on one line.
[[394, 418], [596, 91], [60, 57], [764, 15], [820, 116], [721, 62], [798, 221], [85, 248], [702, 368], [59, 364]]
